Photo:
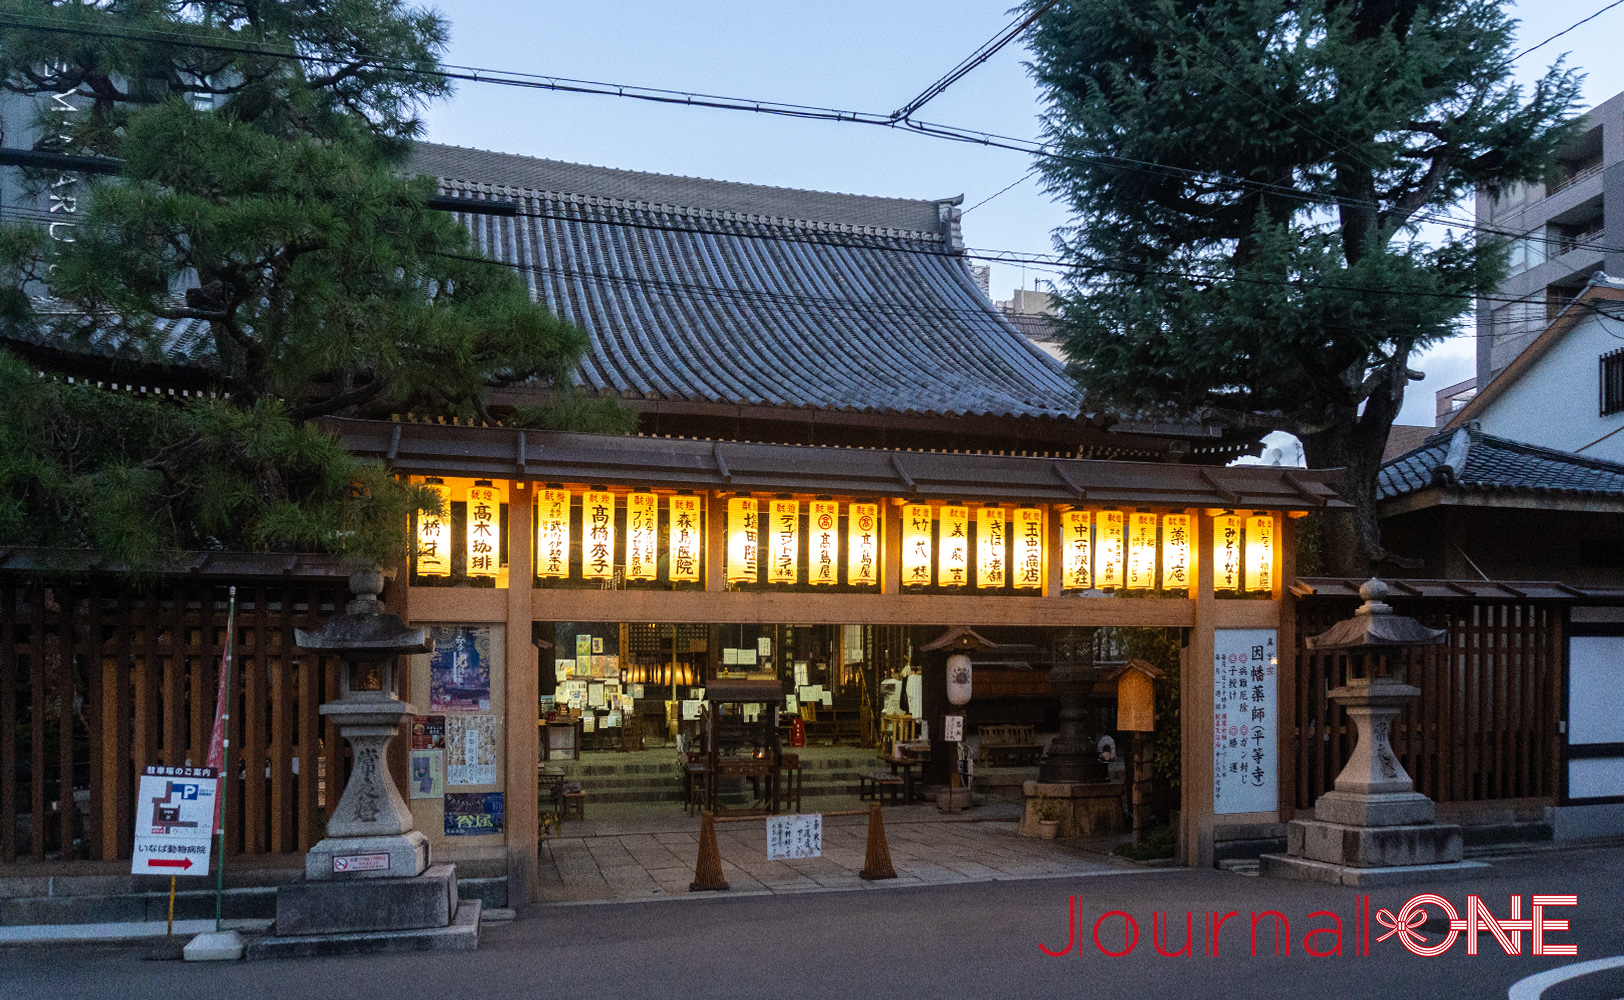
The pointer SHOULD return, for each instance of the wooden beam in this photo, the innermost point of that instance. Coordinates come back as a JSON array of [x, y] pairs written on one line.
[[519, 704]]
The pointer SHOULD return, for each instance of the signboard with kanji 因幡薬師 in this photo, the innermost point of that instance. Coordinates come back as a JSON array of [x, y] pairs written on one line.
[[553, 534], [174, 821], [823, 543], [484, 523], [953, 554], [1245, 771], [784, 541], [598, 535], [686, 539], [642, 536], [992, 560], [862, 544]]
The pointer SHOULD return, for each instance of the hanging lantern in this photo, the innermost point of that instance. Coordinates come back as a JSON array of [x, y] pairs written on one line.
[[743, 541], [959, 676], [1075, 539], [1226, 552], [1027, 565], [686, 539], [598, 535], [1108, 555], [823, 543], [553, 534], [484, 547], [783, 541], [862, 544], [1176, 553], [434, 534], [642, 536], [1141, 551], [917, 519], [992, 567], [953, 557], [1260, 553]]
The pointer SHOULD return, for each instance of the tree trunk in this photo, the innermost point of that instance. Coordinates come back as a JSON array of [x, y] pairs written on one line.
[[1354, 441]]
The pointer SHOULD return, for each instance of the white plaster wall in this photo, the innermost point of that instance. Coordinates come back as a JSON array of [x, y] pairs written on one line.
[[1557, 402]]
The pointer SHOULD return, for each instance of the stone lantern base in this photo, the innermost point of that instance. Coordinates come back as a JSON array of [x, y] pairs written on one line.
[[1087, 808]]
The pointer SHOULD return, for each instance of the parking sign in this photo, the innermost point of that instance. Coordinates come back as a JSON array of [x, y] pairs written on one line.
[[174, 821]]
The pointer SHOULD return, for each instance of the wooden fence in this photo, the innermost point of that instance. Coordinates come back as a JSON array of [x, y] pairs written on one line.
[[98, 679], [1485, 724]]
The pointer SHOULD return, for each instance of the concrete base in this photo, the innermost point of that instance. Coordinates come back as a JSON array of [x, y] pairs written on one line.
[[1308, 870], [407, 853], [1378, 809], [215, 946], [1095, 807], [1587, 822], [429, 900], [461, 935], [1374, 846]]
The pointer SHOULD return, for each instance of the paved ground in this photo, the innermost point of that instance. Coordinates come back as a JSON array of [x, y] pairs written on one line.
[[648, 852], [948, 941]]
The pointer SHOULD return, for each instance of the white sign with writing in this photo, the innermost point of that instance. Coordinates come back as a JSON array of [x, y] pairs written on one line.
[[795, 836], [1245, 771], [953, 728], [174, 821]]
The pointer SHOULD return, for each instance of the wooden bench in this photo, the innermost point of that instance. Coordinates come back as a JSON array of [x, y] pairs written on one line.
[[877, 784], [1007, 745]]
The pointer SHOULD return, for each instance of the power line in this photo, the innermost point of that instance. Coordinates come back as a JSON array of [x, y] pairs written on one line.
[[1564, 31], [986, 51], [1007, 187]]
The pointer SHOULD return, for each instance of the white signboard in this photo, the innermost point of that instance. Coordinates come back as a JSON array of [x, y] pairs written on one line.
[[953, 728], [1245, 768], [795, 836], [174, 821]]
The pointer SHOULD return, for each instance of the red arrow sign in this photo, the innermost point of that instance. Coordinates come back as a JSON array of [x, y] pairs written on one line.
[[182, 863]]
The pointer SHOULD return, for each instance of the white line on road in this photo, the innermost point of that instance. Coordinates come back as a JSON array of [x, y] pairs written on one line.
[[1532, 987]]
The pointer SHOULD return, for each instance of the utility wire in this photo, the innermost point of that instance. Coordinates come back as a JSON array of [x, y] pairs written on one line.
[[1007, 187], [1564, 31], [986, 51]]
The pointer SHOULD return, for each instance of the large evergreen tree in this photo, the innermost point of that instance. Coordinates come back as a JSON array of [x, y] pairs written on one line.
[[1248, 179]]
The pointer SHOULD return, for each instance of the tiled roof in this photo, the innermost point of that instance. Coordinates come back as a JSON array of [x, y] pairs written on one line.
[[183, 343], [1469, 459], [733, 293]]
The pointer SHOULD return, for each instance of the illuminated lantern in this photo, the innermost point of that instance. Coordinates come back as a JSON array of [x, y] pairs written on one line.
[[862, 544], [953, 555], [1226, 552], [1176, 574], [642, 536], [1260, 553], [686, 539], [1075, 544], [823, 543], [598, 535], [783, 541], [992, 567], [484, 545], [959, 676], [743, 540], [1028, 562], [553, 534], [1108, 554], [434, 534], [1141, 551], [917, 519]]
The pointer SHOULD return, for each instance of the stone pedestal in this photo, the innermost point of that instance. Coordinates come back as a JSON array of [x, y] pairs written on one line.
[[369, 834], [1089, 807]]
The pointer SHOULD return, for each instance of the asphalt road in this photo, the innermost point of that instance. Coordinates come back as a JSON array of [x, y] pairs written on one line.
[[924, 942]]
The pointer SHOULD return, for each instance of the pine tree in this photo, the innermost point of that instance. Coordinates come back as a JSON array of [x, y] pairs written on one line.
[[1248, 179]]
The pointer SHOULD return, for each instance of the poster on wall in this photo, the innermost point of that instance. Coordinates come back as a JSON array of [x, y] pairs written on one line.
[[428, 732], [1245, 773], [427, 774], [470, 750], [460, 670], [473, 814]]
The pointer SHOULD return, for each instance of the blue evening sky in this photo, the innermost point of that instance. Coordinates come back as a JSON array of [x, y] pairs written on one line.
[[862, 55]]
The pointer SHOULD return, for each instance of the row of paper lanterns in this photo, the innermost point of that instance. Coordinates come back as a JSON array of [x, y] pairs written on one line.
[[1105, 550]]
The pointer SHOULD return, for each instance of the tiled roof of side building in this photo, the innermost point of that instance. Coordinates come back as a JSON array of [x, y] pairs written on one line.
[[711, 291], [1472, 460]]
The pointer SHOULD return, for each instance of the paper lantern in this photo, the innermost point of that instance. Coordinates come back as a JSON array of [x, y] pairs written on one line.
[[1027, 566], [434, 534], [1260, 553], [553, 534], [862, 544], [686, 538], [992, 562], [598, 535], [1076, 543], [642, 536], [1226, 552], [1108, 546], [783, 541], [1176, 574], [823, 543], [743, 541], [917, 520], [953, 554], [484, 523], [959, 676], [1141, 551]]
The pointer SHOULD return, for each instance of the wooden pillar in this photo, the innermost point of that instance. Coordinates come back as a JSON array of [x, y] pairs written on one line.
[[715, 546], [1053, 555], [890, 547], [1195, 709], [1288, 729], [520, 701]]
